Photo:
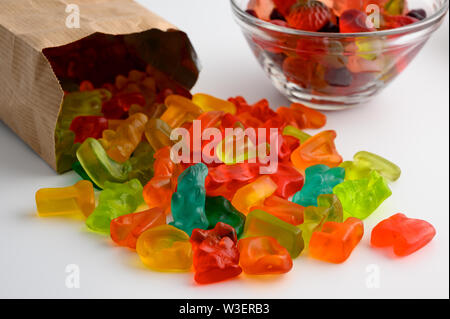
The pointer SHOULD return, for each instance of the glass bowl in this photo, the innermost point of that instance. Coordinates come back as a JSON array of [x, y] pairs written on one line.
[[332, 71]]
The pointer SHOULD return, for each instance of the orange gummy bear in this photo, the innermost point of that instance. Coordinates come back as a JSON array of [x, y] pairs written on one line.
[[263, 256], [336, 241], [319, 149]]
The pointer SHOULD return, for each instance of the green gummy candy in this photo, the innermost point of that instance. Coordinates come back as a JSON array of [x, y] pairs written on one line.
[[97, 164], [361, 197], [219, 209], [297, 133], [115, 200]]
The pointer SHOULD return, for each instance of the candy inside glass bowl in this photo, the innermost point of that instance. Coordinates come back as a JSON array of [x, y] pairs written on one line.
[[331, 70]]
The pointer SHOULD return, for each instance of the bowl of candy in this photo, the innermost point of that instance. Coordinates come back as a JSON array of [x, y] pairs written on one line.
[[334, 54]]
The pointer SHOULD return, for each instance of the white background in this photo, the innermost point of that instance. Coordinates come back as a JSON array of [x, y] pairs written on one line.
[[407, 123]]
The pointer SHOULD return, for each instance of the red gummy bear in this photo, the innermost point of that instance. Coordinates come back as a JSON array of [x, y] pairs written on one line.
[[216, 256], [88, 126], [126, 229], [288, 179], [405, 235]]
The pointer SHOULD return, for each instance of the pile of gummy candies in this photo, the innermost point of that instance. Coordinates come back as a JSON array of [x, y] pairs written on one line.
[[333, 16], [337, 65], [225, 216]]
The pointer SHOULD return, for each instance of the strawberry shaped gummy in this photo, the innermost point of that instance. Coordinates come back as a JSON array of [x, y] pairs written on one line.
[[308, 15]]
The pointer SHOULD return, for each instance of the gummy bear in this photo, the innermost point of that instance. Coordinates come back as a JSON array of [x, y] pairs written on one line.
[[142, 163], [253, 194], [260, 223], [216, 256], [320, 179], [120, 144], [210, 103], [263, 256], [126, 229], [361, 197], [115, 200], [188, 203], [99, 166], [319, 149], [165, 248], [405, 235], [78, 198], [88, 126], [336, 241]]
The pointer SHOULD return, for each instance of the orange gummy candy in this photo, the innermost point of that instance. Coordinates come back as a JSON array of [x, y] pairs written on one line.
[[336, 241], [318, 149], [263, 256]]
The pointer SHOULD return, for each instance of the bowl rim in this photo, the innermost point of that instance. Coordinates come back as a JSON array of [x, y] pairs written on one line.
[[422, 24]]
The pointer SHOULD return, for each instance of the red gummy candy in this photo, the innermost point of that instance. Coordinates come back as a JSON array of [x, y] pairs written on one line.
[[216, 256], [126, 229], [288, 179], [308, 16], [353, 21], [405, 235], [88, 126]]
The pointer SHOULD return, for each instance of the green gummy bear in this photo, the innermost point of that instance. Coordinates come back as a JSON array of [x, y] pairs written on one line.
[[361, 197], [364, 162], [219, 209], [115, 200], [297, 133], [188, 203], [97, 164], [142, 163], [260, 223], [329, 208]]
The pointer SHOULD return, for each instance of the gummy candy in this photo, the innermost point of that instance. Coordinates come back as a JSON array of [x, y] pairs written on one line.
[[165, 248], [283, 209], [78, 198], [361, 197], [126, 229], [219, 209], [260, 223], [216, 256], [308, 15], [253, 194], [320, 179], [405, 235], [115, 200], [263, 256], [336, 241], [188, 203]]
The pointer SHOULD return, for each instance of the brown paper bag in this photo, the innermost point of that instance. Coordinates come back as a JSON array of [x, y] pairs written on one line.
[[30, 90]]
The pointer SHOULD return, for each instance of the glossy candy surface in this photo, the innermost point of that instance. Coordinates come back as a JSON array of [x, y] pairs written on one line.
[[336, 241], [319, 149], [78, 198], [216, 256], [253, 194], [260, 223], [320, 179], [219, 209], [99, 166], [115, 200], [405, 235], [361, 197], [165, 248], [126, 229], [328, 208], [263, 256], [188, 203]]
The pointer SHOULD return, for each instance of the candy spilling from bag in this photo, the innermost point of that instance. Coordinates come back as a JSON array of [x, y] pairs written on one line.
[[217, 187]]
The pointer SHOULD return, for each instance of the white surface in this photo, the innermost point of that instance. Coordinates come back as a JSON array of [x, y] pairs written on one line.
[[407, 123]]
